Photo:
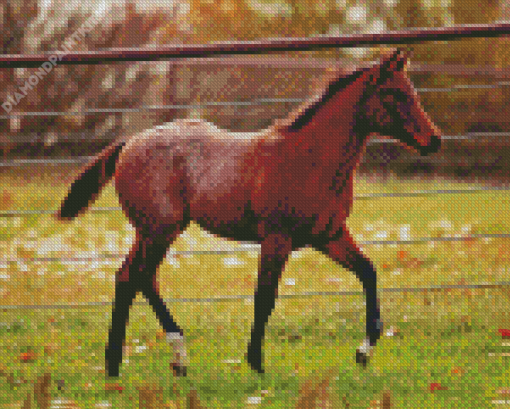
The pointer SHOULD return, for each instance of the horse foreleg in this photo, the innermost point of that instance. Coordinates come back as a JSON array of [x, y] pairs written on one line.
[[174, 334], [275, 252], [346, 253], [367, 274]]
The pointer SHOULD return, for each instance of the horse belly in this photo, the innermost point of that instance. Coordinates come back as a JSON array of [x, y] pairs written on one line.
[[305, 206], [225, 213]]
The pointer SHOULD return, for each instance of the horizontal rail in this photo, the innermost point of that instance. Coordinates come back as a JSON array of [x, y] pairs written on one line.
[[229, 298], [422, 240], [470, 136], [283, 62], [409, 36], [255, 247], [22, 162], [256, 102], [155, 108], [417, 193]]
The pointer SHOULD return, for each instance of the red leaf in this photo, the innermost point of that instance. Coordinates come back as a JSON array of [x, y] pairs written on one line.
[[437, 386], [504, 332], [114, 387], [27, 356]]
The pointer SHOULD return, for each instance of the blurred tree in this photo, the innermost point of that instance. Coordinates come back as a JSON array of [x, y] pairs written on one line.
[[31, 26], [34, 26]]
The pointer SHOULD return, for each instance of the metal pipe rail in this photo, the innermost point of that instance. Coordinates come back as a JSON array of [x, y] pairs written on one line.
[[408, 36]]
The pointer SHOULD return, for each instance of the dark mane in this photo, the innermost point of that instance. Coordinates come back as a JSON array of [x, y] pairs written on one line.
[[303, 115]]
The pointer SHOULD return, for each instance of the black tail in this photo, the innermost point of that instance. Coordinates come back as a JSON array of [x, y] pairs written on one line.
[[85, 190]]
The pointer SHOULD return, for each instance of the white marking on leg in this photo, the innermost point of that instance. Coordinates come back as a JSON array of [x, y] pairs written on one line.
[[365, 347], [177, 341]]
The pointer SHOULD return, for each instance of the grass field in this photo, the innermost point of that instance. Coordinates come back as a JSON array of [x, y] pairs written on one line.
[[440, 349]]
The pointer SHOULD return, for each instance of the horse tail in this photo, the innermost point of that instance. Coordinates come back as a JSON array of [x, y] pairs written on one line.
[[86, 188]]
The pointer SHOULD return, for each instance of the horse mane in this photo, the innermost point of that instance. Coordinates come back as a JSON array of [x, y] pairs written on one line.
[[304, 113]]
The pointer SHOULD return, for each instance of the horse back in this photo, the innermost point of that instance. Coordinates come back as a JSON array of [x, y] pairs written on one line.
[[193, 166]]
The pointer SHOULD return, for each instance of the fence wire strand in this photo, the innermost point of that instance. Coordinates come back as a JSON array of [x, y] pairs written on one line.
[[255, 248], [250, 248], [368, 196], [230, 298], [255, 102]]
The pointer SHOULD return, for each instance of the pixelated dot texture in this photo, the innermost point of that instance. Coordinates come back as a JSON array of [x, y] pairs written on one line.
[[238, 238]]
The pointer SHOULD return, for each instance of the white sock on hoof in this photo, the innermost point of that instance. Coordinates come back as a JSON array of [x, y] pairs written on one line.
[[177, 341], [365, 347]]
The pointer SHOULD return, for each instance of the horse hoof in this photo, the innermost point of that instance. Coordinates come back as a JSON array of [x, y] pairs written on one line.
[[257, 369], [255, 362], [112, 372], [361, 358], [179, 370]]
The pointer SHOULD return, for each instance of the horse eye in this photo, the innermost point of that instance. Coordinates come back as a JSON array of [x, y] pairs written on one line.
[[394, 97], [399, 96]]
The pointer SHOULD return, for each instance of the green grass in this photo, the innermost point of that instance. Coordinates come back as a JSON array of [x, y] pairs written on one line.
[[445, 337]]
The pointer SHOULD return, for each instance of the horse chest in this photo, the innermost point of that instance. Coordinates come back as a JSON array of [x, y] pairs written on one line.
[[300, 191]]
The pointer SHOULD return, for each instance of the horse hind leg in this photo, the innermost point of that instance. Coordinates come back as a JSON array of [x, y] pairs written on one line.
[[138, 273], [174, 335], [125, 292], [150, 189]]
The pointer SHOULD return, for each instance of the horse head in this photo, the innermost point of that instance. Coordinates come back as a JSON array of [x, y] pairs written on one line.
[[391, 106]]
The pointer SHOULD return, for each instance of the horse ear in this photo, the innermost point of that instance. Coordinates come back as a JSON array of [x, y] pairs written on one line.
[[398, 60], [392, 62]]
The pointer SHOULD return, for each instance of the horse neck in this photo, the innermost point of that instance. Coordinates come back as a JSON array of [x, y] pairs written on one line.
[[331, 136]]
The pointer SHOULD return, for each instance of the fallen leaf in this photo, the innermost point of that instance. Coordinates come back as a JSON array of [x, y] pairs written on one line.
[[27, 356], [505, 333], [401, 255], [113, 387], [437, 386]]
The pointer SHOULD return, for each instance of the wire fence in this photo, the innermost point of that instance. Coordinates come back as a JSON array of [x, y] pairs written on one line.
[[256, 102], [471, 136], [250, 298], [180, 51], [256, 247]]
